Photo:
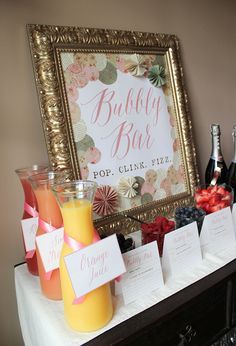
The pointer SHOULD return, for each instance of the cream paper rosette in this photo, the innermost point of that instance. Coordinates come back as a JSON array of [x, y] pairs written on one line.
[[127, 187]]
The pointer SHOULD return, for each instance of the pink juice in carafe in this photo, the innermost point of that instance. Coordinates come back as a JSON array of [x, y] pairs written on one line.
[[30, 206]]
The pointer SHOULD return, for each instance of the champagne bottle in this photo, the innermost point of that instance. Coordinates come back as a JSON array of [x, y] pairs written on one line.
[[231, 178], [216, 162]]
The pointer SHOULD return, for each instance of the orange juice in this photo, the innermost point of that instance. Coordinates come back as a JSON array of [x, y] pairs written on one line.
[[96, 310], [49, 212]]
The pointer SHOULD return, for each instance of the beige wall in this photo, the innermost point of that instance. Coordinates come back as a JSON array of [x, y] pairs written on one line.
[[207, 32]]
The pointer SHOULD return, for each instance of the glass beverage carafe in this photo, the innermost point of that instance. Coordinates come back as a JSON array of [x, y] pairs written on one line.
[[49, 219], [95, 310], [30, 207]]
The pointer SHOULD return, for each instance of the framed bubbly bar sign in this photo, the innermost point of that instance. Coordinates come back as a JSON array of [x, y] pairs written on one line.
[[114, 110]]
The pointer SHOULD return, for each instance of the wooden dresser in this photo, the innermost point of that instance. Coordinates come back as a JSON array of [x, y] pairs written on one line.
[[198, 315]]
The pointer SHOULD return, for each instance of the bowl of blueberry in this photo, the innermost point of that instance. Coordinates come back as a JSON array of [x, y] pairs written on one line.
[[189, 214]]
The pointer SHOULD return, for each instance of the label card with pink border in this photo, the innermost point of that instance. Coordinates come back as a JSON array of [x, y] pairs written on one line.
[[29, 229], [50, 245], [95, 265], [234, 216], [144, 273], [217, 232], [181, 251]]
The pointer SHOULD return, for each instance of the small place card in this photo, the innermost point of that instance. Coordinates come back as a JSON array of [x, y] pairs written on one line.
[[50, 245], [95, 265], [29, 229], [181, 251], [234, 216], [144, 273], [217, 232]]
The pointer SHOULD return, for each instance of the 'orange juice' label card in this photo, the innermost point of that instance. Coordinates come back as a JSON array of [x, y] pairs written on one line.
[[95, 265]]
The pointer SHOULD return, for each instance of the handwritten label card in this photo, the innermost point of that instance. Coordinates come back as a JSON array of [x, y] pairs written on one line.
[[234, 217], [144, 273], [29, 229], [95, 265], [217, 232], [50, 245], [181, 250]]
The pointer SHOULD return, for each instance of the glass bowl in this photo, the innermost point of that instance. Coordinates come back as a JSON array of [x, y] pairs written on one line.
[[213, 198], [156, 230], [189, 214]]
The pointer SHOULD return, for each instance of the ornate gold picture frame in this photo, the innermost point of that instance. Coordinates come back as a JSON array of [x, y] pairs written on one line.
[[115, 110]]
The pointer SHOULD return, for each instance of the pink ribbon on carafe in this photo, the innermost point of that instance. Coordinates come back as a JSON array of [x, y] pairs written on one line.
[[77, 245], [46, 227], [32, 212]]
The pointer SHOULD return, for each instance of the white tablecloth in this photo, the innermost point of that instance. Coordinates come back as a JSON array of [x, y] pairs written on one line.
[[42, 320]]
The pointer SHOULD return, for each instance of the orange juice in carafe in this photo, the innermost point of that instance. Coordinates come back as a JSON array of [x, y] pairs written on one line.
[[96, 309]]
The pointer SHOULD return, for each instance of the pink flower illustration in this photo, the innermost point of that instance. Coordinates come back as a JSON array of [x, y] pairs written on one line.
[[172, 120], [172, 175], [74, 68], [81, 59], [120, 65], [93, 155], [70, 77], [92, 60], [91, 73], [166, 185], [72, 92], [84, 172], [75, 112], [148, 188], [82, 80], [176, 145], [181, 174]]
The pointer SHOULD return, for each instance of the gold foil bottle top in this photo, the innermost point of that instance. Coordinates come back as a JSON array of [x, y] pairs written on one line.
[[234, 131], [215, 129]]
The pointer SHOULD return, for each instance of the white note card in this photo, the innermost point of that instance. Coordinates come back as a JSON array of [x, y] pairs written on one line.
[[217, 232], [95, 265], [50, 245], [181, 251], [234, 217], [144, 273], [29, 229]]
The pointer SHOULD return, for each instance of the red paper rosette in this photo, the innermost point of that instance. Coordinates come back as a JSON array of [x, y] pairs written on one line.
[[105, 200]]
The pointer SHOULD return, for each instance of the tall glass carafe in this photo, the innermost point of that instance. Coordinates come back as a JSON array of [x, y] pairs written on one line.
[[95, 310], [30, 208], [50, 218]]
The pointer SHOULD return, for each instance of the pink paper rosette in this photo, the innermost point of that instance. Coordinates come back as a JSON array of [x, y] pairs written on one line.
[[105, 200]]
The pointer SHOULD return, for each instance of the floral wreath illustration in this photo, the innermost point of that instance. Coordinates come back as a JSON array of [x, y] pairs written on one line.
[[156, 184]]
